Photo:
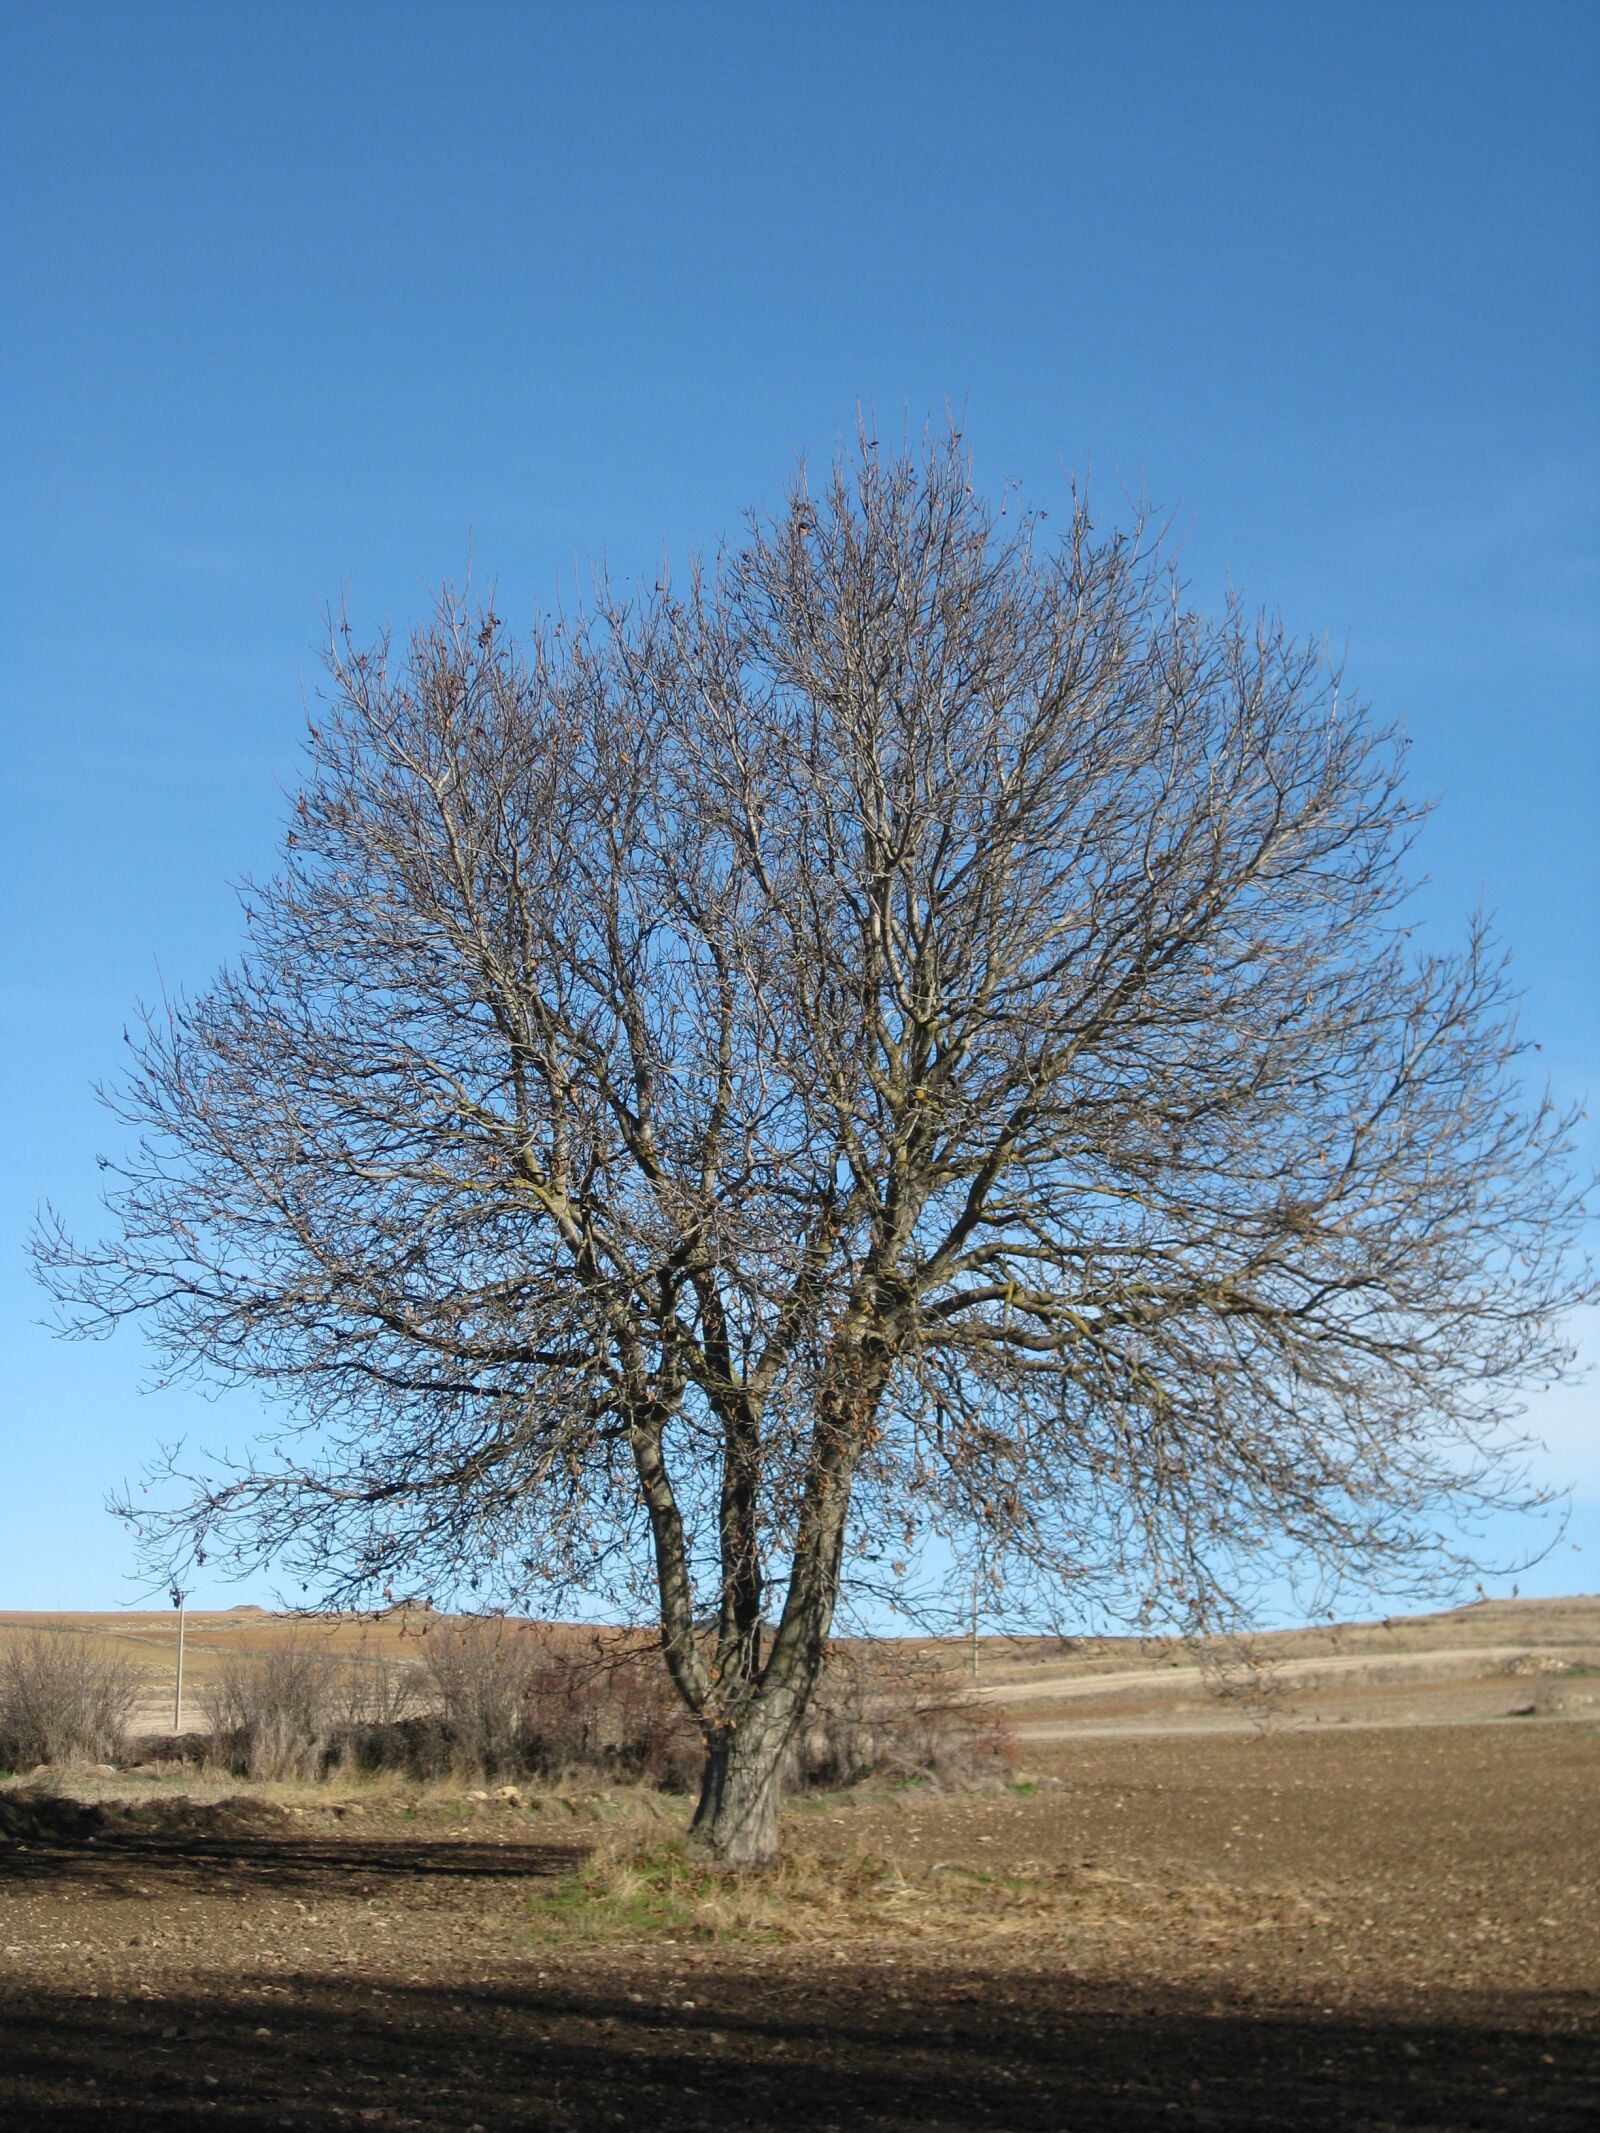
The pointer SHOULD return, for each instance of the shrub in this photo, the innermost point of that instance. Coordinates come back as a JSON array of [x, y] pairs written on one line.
[[154, 1750], [295, 1711], [882, 1714], [520, 1699], [481, 1677], [63, 1700], [488, 1699]]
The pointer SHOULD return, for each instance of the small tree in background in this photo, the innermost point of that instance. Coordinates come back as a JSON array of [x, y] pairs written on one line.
[[914, 1032]]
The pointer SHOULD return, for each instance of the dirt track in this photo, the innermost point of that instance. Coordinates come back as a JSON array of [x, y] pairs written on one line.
[[1358, 1929], [1289, 1673]]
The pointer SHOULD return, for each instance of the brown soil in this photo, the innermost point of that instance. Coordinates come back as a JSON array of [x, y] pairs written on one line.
[[1345, 1928]]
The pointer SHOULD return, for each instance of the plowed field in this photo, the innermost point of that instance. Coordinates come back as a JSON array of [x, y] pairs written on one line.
[[1337, 1927]]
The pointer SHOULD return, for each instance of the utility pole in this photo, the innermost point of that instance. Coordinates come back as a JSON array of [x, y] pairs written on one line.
[[975, 1577], [178, 1599]]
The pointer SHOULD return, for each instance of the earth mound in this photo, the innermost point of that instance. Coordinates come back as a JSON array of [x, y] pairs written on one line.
[[38, 1816]]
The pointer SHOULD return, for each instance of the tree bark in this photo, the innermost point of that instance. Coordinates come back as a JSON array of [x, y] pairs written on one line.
[[736, 1820]]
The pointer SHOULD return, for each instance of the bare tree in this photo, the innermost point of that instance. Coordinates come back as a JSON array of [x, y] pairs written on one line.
[[915, 1032]]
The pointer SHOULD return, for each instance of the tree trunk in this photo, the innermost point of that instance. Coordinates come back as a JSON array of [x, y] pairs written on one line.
[[736, 1821]]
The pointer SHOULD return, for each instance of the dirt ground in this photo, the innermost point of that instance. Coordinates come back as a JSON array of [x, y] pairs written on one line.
[[1365, 1927]]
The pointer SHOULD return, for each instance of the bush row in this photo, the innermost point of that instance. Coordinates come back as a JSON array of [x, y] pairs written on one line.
[[484, 1700]]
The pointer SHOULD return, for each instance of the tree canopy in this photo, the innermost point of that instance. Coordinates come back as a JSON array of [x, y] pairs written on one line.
[[913, 1032]]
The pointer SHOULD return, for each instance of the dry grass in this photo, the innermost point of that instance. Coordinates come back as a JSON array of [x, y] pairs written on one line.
[[633, 1891]]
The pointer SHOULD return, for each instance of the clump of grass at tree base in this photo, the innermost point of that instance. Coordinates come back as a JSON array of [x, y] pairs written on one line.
[[660, 1889], [634, 1889]]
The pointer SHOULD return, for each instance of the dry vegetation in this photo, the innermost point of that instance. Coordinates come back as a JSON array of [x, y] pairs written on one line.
[[474, 1700], [62, 1699]]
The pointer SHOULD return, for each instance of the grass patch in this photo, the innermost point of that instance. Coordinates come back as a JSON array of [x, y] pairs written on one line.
[[650, 1889], [661, 1890]]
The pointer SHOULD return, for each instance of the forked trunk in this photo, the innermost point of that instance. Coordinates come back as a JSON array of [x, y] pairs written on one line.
[[736, 1821]]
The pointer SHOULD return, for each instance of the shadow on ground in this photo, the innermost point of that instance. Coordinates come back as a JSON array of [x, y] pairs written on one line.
[[928, 2050], [309, 1868], [66, 1845]]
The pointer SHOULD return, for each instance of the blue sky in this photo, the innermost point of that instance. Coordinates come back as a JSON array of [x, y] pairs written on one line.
[[306, 302]]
